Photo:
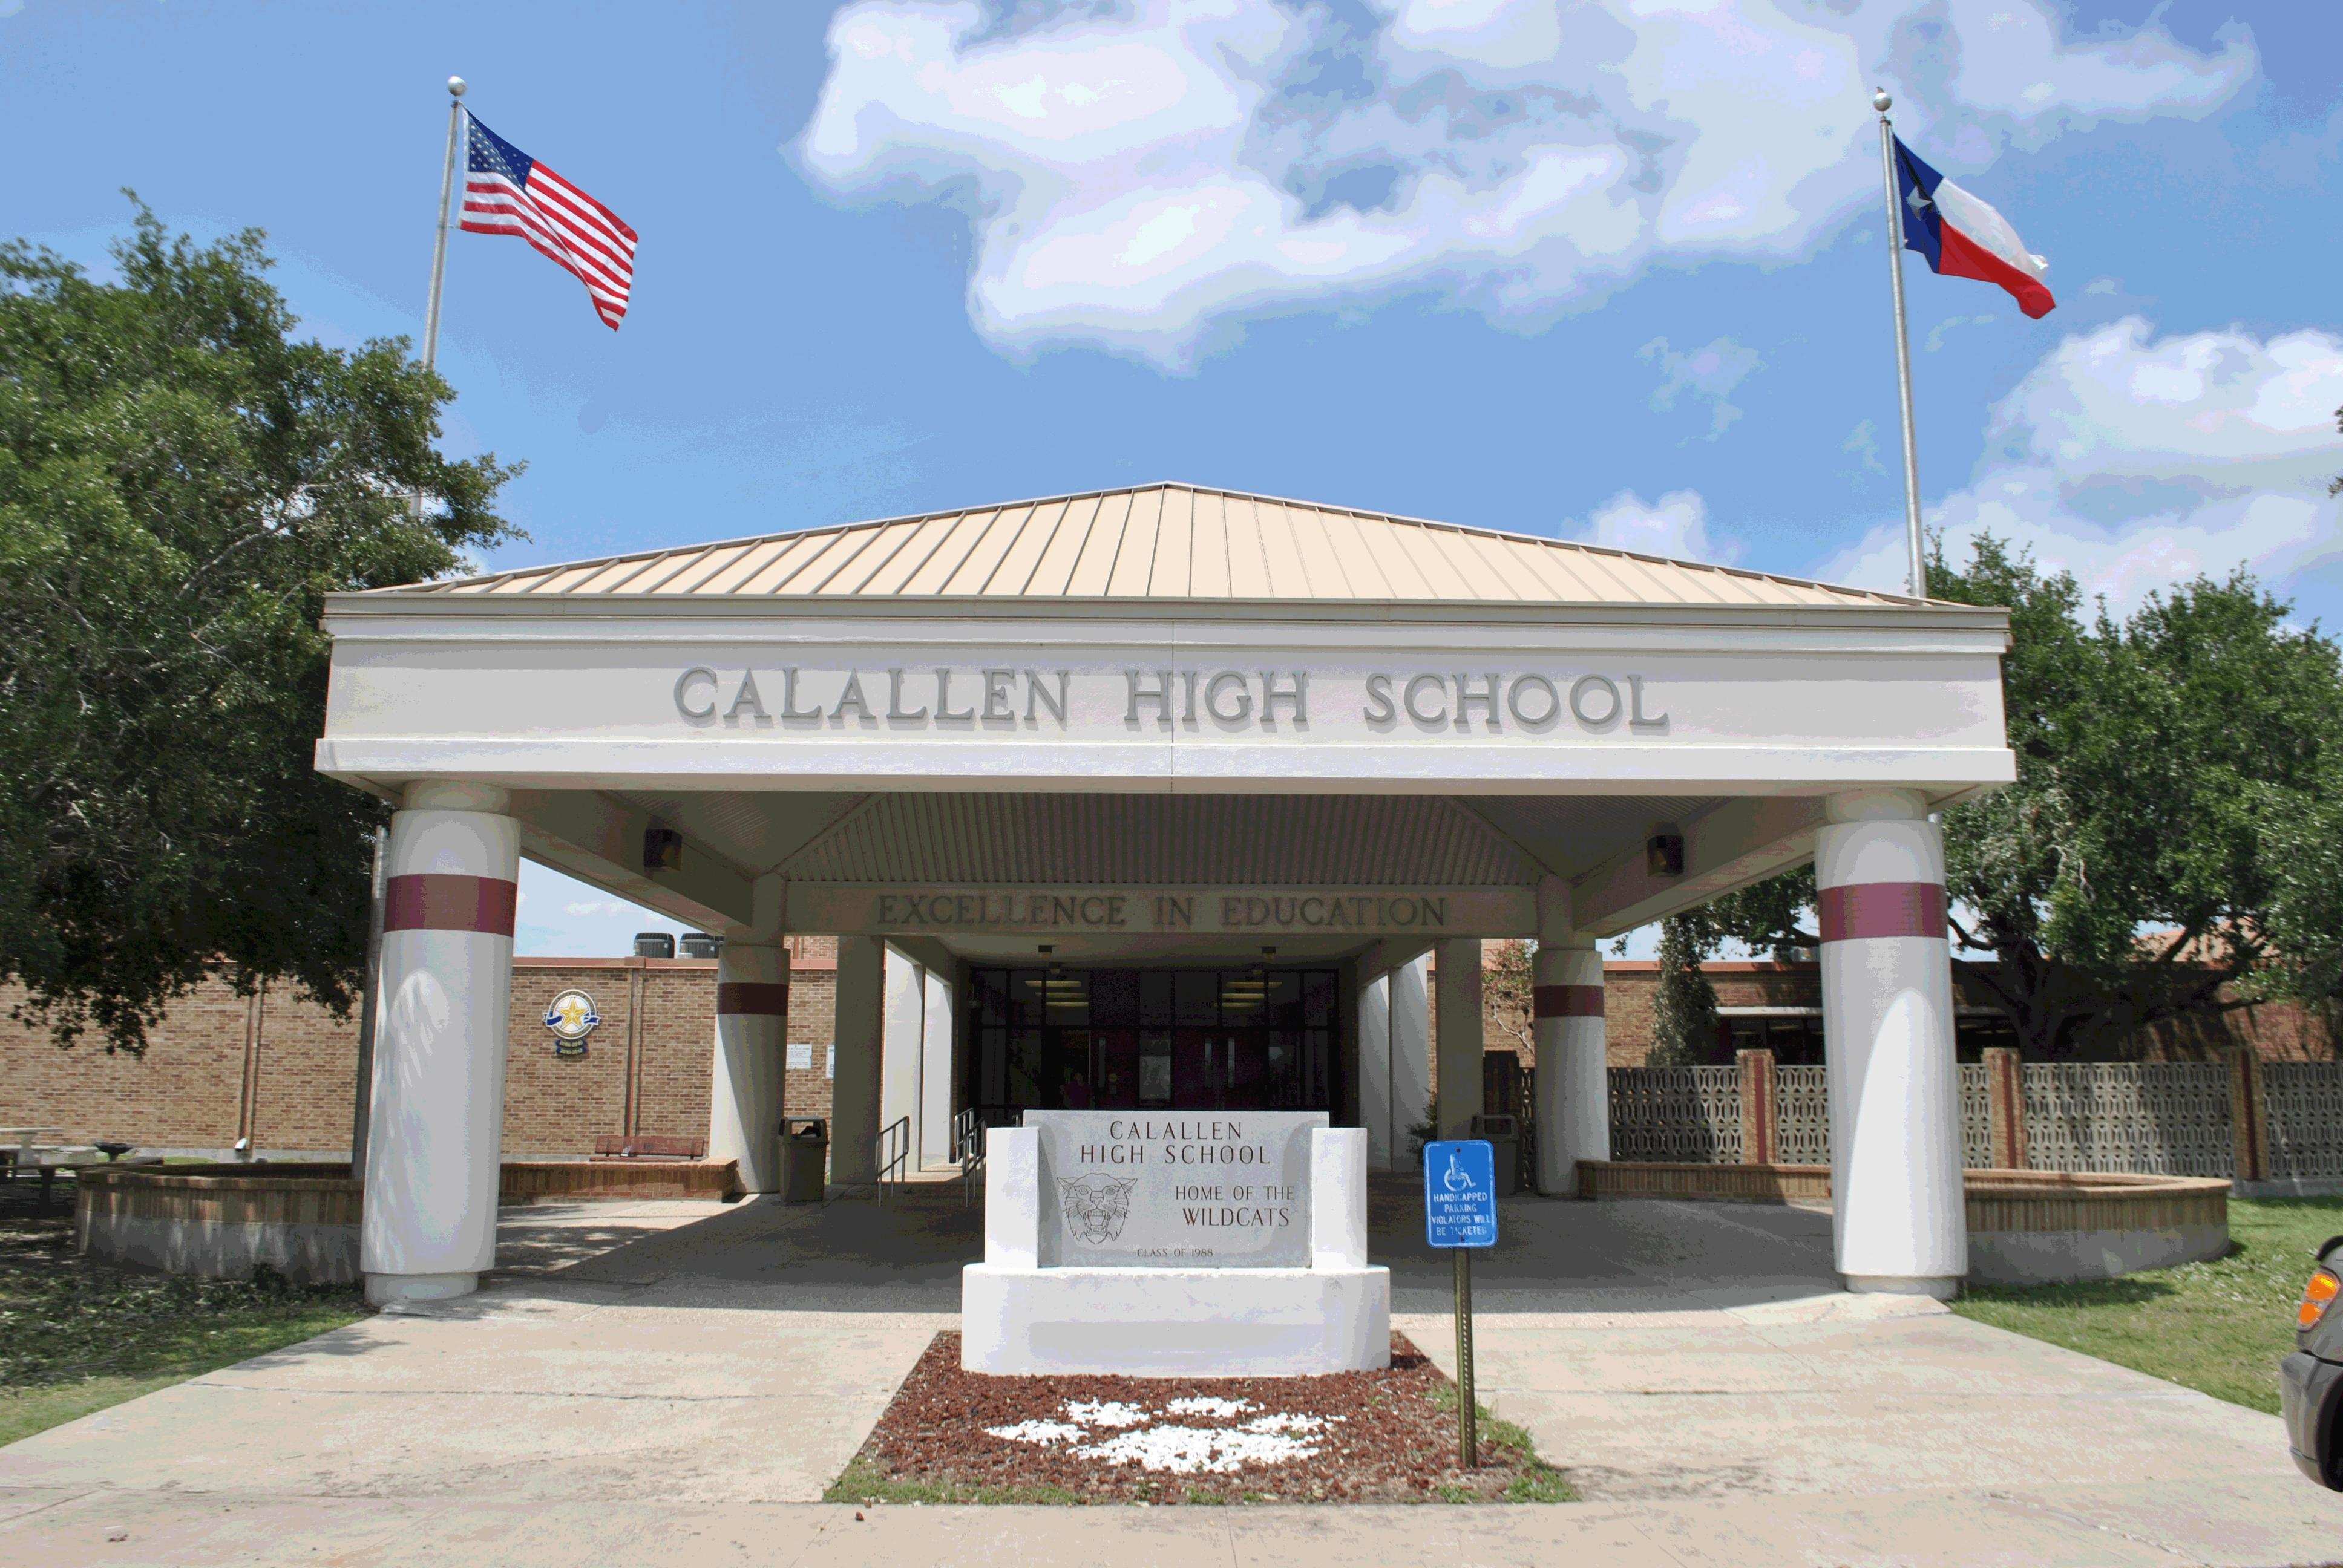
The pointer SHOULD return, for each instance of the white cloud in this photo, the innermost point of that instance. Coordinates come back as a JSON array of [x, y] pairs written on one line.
[[1676, 526], [1707, 375], [590, 923], [1862, 443], [2010, 61], [1952, 324], [1140, 176], [2136, 462], [577, 908]]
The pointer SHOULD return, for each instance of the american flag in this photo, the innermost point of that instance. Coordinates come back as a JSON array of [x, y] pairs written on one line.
[[506, 191]]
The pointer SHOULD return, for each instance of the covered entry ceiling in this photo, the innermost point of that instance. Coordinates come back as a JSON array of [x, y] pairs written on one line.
[[1374, 841]]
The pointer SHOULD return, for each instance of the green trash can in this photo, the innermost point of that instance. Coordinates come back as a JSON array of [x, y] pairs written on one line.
[[805, 1157]]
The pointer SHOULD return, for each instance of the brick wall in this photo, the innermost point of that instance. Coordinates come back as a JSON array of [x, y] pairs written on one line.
[[813, 1012], [2278, 1031], [187, 1089], [2275, 1031], [278, 1067], [306, 1061], [556, 1105]]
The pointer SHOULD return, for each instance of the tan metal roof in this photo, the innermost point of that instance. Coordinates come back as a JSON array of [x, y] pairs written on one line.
[[1166, 541]]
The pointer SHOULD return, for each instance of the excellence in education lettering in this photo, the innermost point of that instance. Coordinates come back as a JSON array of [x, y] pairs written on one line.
[[948, 908]]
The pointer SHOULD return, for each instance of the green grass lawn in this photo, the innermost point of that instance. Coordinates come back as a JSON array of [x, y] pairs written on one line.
[[2219, 1326], [78, 1336]]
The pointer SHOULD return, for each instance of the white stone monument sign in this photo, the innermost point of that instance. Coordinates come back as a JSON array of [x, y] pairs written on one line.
[[1166, 1243], [1151, 1189]]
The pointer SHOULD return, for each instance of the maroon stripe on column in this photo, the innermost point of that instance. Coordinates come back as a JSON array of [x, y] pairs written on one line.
[[445, 901], [761, 999], [1864, 910], [1566, 1001]]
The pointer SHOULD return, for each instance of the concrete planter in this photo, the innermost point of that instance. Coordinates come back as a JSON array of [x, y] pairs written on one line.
[[2051, 1227], [2025, 1227], [580, 1182], [221, 1220]]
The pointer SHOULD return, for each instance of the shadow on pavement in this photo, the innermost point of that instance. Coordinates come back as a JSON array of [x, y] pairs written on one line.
[[854, 1254]]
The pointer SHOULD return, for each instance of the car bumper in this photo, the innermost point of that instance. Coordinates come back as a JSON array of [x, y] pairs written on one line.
[[2308, 1392]]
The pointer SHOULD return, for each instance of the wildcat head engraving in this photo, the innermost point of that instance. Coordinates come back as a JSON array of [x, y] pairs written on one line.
[[1096, 1206]]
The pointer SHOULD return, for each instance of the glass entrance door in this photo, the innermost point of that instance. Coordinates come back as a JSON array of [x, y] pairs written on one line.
[[1185, 1040]]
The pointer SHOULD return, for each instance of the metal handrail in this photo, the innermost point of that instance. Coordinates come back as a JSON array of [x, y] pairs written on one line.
[[968, 1142], [897, 1135], [968, 1128]]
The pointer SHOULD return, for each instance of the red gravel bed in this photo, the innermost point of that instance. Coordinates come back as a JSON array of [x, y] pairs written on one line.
[[1386, 1436]]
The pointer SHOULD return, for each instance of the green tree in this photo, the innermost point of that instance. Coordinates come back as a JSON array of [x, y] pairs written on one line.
[[2304, 922], [1509, 995], [2161, 852], [1685, 1023], [181, 483]]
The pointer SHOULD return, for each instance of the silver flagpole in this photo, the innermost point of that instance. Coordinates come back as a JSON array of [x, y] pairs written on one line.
[[370, 998], [439, 246], [1917, 569], [446, 194]]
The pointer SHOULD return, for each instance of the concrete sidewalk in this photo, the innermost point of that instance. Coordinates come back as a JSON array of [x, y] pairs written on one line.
[[637, 1388], [2108, 1526]]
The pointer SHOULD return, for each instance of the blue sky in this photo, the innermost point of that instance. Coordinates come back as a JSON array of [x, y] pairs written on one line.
[[1603, 270]]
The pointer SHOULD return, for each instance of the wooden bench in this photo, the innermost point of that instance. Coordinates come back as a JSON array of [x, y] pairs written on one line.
[[650, 1146]]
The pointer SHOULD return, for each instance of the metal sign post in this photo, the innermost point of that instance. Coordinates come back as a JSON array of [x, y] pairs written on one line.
[[1460, 1215]]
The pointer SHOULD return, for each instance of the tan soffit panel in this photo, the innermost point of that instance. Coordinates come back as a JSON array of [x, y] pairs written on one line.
[[1369, 840]]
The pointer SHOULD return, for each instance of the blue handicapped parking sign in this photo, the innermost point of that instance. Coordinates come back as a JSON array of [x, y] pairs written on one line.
[[1460, 1194]]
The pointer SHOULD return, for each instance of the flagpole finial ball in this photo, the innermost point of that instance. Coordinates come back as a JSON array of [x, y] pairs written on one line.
[[1882, 102], [455, 86]]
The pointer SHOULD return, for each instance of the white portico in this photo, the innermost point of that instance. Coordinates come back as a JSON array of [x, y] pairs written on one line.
[[1238, 764]]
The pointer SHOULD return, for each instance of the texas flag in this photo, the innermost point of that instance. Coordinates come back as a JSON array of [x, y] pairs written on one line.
[[1964, 237]]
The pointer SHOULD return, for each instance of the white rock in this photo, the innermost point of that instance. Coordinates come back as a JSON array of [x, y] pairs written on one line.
[[1105, 1412], [1209, 1405]]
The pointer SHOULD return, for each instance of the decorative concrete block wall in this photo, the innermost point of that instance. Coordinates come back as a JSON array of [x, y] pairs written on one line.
[[2148, 1118], [2302, 1105], [2255, 1123], [1676, 1113]]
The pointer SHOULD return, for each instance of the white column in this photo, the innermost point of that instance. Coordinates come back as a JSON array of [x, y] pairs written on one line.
[[855, 1092], [752, 1017], [936, 1072], [904, 1044], [1459, 1036], [1898, 1218], [435, 1141], [1573, 1079], [1384, 1145], [1411, 1055]]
